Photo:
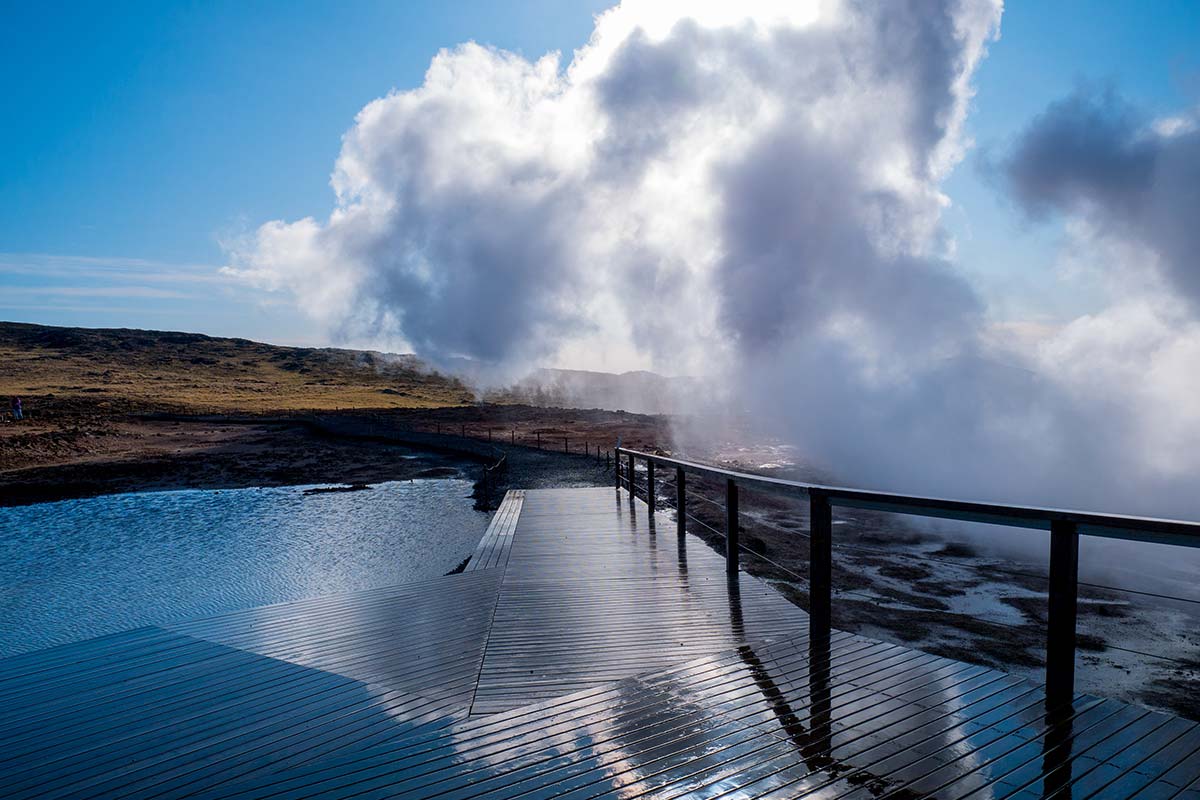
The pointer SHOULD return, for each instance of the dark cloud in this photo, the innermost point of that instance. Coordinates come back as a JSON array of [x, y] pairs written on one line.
[[1094, 155]]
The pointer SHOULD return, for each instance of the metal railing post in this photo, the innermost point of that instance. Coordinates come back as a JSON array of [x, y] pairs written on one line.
[[820, 566], [680, 501], [630, 473], [651, 500], [731, 527], [617, 464], [1060, 626]]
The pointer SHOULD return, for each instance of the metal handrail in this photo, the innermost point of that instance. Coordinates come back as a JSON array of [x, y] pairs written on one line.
[[1090, 523], [1065, 526]]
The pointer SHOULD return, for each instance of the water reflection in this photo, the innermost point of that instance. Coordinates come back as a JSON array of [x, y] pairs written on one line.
[[812, 741], [80, 568], [1056, 752]]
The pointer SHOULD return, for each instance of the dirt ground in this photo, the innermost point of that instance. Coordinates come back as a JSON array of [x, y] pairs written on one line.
[[69, 450]]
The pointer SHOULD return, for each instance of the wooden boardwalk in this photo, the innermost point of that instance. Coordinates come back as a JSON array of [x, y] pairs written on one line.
[[584, 653]]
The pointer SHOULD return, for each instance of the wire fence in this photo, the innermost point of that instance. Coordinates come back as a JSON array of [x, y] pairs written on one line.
[[547, 438]]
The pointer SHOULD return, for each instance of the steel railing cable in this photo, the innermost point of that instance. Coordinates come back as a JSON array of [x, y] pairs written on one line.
[[1190, 664], [741, 547], [715, 503], [986, 568], [772, 562], [840, 592], [888, 553], [981, 568], [1139, 592], [785, 531]]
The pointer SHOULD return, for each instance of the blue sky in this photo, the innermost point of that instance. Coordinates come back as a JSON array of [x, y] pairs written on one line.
[[134, 141]]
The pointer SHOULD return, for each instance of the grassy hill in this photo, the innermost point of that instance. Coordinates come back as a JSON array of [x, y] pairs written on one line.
[[122, 369]]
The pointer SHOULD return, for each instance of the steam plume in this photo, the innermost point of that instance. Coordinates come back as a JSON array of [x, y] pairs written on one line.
[[752, 191]]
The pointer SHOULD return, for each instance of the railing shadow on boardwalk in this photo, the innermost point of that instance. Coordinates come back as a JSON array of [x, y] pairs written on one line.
[[1064, 527]]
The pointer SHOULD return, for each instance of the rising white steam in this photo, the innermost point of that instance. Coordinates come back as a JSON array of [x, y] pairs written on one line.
[[751, 190], [634, 199]]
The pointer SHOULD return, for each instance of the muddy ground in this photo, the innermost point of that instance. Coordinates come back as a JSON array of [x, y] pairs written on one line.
[[69, 451]]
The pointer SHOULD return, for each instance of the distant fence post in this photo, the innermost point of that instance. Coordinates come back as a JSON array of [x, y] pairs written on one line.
[[1060, 626], [680, 501], [651, 499], [566, 445], [617, 465], [731, 527], [820, 567], [512, 435], [539, 440]]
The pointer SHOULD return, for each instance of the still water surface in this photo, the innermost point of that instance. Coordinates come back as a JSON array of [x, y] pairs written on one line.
[[80, 568]]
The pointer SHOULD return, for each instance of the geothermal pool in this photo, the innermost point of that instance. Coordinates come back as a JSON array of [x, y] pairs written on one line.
[[75, 569]]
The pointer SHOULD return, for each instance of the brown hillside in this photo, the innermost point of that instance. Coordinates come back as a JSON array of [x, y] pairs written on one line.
[[125, 370]]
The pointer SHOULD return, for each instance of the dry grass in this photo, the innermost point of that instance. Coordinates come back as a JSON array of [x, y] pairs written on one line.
[[150, 370]]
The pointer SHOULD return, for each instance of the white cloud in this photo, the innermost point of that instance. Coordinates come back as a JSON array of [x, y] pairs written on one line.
[[513, 211], [754, 190]]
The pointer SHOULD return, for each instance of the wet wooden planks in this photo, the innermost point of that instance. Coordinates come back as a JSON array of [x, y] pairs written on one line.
[[593, 592], [600, 656], [494, 547], [168, 713], [844, 718], [424, 638]]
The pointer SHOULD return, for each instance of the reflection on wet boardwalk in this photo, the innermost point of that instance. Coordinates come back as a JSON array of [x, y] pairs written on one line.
[[593, 593], [586, 653]]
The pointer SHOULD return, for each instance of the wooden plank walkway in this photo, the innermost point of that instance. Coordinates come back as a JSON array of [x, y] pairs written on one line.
[[593, 593], [588, 653], [496, 543], [156, 712]]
